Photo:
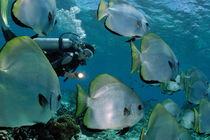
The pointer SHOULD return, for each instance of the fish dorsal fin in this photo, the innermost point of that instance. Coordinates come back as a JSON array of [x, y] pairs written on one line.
[[155, 44], [4, 7], [162, 121], [116, 1], [145, 43], [14, 13], [158, 111], [100, 81], [23, 52], [171, 107], [16, 47]]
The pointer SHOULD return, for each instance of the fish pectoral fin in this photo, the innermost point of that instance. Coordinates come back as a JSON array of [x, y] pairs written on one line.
[[42, 100], [101, 8], [123, 131], [135, 57]]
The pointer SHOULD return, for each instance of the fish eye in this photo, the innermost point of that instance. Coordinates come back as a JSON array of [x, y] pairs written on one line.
[[147, 24], [59, 97], [50, 16], [56, 22], [140, 107]]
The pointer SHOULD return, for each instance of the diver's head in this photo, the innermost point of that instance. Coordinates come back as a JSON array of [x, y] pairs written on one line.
[[86, 52]]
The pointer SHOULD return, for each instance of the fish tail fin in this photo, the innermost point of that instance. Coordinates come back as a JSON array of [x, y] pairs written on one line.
[[81, 101], [4, 7], [135, 57], [142, 134], [101, 8], [196, 121]]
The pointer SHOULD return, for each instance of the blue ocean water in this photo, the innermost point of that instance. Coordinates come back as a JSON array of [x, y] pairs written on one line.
[[183, 24]]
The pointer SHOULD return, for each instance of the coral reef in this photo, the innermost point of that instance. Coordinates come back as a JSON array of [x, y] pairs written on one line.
[[62, 128]]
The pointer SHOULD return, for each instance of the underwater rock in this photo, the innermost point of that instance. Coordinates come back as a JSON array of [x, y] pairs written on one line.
[[35, 132], [64, 128], [5, 135]]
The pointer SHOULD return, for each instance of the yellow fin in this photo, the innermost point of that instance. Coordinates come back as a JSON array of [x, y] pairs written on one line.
[[135, 57], [4, 7], [196, 122], [142, 134], [101, 8], [81, 100]]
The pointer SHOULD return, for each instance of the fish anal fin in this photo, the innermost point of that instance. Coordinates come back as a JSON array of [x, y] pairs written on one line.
[[148, 81], [35, 36], [106, 25], [123, 131], [92, 130], [15, 19], [131, 40]]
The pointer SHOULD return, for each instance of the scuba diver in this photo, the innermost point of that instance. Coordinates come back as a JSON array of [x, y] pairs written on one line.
[[64, 54]]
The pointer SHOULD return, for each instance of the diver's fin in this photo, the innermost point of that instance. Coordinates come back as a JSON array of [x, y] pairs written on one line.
[[81, 101], [135, 57], [35, 36], [8, 34], [101, 8], [123, 131], [142, 134]]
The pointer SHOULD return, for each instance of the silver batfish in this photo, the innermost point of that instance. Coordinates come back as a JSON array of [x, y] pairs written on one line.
[[158, 62], [122, 18], [29, 87], [163, 126], [110, 104], [36, 14]]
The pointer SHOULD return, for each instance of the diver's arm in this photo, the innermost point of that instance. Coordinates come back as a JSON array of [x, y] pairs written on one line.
[[52, 44]]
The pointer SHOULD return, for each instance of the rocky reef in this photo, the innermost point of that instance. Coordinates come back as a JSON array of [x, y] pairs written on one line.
[[64, 127]]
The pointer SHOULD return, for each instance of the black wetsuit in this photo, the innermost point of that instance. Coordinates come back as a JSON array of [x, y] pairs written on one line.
[[56, 57], [69, 67]]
